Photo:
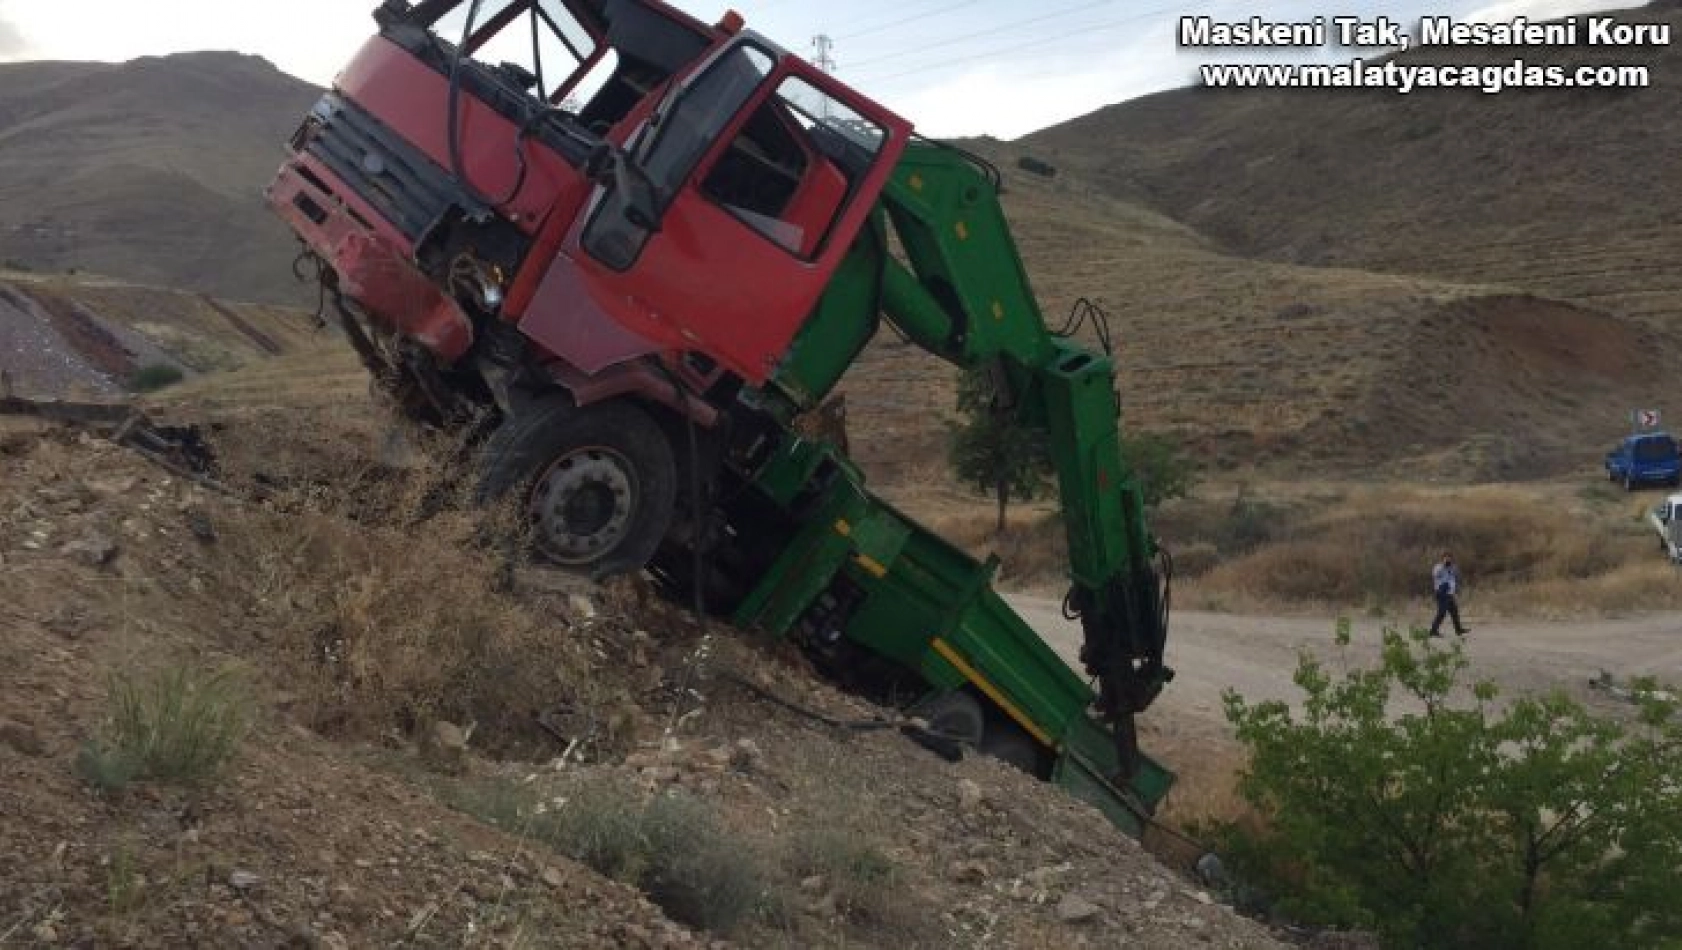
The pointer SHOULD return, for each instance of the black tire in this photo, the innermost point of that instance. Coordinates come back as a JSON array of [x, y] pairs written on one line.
[[597, 484], [1010, 744], [956, 716]]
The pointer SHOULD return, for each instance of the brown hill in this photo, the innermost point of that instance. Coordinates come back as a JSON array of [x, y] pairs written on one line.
[[1560, 192], [151, 170], [1255, 361]]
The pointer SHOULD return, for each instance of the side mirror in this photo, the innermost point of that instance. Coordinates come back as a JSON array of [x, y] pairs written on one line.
[[629, 212], [637, 192]]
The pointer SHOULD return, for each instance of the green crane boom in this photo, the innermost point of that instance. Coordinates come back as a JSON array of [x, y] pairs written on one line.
[[959, 290]]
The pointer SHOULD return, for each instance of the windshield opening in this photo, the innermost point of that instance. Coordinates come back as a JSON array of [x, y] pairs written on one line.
[[1655, 450], [537, 44]]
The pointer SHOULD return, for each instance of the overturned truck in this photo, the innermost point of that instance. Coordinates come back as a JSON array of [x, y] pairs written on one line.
[[631, 248]]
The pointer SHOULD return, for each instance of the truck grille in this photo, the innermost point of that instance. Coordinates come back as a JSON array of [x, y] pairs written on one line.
[[404, 185]]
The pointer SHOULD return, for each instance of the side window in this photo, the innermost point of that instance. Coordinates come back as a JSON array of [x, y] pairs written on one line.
[[693, 118], [790, 171]]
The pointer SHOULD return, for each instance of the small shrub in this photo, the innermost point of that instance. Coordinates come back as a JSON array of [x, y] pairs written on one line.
[[178, 726], [153, 377], [106, 770], [125, 887], [864, 880], [672, 846], [696, 871], [601, 825], [1251, 523]]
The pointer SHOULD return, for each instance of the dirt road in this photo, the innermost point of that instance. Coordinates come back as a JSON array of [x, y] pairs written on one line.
[[1257, 655]]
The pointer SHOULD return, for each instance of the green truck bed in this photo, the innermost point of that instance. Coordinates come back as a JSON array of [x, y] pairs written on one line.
[[930, 609]]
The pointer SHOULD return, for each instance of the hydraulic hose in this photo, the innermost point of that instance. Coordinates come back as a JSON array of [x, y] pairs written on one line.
[[453, 109]]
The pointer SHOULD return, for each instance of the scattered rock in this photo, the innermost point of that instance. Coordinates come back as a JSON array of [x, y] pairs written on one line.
[[968, 872], [1210, 870], [199, 523], [1048, 877], [93, 549], [1077, 910], [746, 757], [444, 746], [658, 775], [970, 796], [582, 607], [244, 881], [553, 877], [21, 739], [814, 884]]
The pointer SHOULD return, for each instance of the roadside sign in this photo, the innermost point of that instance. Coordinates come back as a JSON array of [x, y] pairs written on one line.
[[1647, 418]]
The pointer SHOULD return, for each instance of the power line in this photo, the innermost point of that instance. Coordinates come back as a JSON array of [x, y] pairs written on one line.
[[924, 47], [901, 21], [1044, 41]]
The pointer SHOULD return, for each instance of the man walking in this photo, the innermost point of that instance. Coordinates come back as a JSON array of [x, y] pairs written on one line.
[[1445, 580]]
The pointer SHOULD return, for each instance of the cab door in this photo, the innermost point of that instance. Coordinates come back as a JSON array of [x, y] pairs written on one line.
[[741, 195]]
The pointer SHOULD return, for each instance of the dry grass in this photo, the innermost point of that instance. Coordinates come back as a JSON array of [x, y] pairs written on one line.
[[1544, 550], [393, 629], [1523, 551], [383, 595]]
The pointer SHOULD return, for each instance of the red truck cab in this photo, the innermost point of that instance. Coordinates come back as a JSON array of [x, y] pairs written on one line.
[[623, 184]]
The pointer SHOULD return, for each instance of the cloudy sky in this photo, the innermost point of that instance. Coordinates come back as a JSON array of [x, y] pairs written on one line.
[[957, 67]]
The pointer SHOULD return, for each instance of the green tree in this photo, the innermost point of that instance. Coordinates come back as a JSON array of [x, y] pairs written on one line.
[[993, 451], [1159, 464], [1461, 822]]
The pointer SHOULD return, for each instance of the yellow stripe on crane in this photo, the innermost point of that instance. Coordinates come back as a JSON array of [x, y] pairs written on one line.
[[871, 566], [992, 692]]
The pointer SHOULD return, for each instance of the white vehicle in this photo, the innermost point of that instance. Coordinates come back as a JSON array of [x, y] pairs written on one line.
[[1666, 519]]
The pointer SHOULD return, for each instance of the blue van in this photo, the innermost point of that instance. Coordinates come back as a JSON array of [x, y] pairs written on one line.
[[1647, 458]]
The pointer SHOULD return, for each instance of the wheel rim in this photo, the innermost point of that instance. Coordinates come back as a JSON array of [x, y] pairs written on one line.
[[582, 505]]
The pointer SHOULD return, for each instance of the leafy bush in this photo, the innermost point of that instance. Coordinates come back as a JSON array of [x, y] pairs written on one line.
[[153, 377], [1461, 823], [179, 726]]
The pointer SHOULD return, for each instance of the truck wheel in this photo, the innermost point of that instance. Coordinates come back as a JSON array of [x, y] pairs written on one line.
[[597, 484], [1007, 742], [955, 716]]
